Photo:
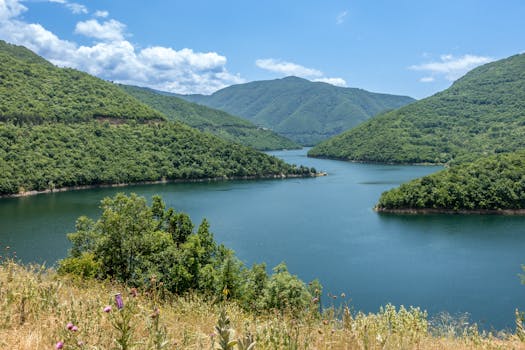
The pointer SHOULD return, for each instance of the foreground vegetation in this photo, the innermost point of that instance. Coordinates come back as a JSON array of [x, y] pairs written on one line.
[[141, 277], [482, 113], [493, 183], [41, 310], [304, 111], [210, 120]]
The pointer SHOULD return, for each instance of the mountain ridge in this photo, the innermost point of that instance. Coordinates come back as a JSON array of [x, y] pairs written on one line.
[[206, 119], [482, 113], [304, 111]]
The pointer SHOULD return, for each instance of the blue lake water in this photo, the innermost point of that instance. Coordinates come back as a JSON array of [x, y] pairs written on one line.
[[322, 228]]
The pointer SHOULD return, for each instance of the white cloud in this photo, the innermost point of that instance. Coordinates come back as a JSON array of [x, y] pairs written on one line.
[[112, 57], [290, 68], [287, 68], [427, 79], [451, 67], [341, 17], [110, 30], [10, 9], [333, 81], [73, 6], [101, 14]]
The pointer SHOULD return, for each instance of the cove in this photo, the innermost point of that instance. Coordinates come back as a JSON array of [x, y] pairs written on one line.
[[322, 228]]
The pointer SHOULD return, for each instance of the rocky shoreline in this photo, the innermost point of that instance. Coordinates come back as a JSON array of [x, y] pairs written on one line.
[[164, 181], [425, 211]]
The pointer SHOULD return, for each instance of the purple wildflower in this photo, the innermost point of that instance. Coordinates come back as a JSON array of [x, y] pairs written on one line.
[[119, 301], [60, 345], [107, 309], [74, 328], [70, 326]]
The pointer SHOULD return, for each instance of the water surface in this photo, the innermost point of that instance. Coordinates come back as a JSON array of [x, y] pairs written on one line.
[[322, 228]]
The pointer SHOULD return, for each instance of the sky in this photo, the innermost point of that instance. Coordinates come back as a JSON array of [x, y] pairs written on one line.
[[403, 47]]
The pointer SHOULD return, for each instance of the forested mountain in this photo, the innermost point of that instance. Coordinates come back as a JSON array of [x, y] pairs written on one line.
[[33, 90], [482, 113], [211, 120], [304, 111], [490, 183], [61, 127]]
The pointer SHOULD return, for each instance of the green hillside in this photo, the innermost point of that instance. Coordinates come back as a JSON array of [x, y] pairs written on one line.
[[60, 127], [482, 113], [298, 109], [206, 119], [490, 183], [33, 90]]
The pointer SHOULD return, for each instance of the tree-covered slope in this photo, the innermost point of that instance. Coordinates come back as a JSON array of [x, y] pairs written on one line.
[[33, 90], [60, 128], [54, 155], [304, 111], [206, 119], [480, 114], [490, 183]]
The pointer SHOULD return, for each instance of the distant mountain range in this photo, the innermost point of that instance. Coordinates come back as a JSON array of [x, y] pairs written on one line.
[[482, 113], [211, 120], [61, 128], [304, 111]]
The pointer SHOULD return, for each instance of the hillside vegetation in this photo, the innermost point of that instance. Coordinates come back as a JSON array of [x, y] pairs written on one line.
[[301, 110], [206, 119], [482, 113], [33, 90], [488, 184], [60, 127]]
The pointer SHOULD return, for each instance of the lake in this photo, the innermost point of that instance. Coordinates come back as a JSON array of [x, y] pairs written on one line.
[[322, 228]]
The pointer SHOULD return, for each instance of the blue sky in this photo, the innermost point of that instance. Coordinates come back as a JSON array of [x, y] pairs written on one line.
[[406, 47]]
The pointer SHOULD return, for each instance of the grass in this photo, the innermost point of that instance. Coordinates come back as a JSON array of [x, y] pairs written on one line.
[[39, 308]]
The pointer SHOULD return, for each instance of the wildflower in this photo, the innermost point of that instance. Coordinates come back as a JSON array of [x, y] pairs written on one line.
[[315, 300], [119, 301], [133, 292], [80, 343], [60, 345], [74, 329], [70, 326], [107, 309]]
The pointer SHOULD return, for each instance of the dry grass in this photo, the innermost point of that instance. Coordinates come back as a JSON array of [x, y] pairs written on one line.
[[36, 305]]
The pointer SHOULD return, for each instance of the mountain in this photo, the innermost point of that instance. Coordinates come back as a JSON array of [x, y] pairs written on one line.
[[206, 119], [33, 90], [304, 111], [482, 113], [490, 184], [61, 127]]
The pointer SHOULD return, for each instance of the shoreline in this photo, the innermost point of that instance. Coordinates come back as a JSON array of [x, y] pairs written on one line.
[[445, 165], [427, 211], [156, 182]]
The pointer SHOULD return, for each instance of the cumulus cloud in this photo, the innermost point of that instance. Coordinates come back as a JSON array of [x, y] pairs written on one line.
[[333, 81], [427, 79], [101, 14], [111, 30], [73, 6], [290, 68], [341, 17], [112, 57], [287, 68], [450, 67], [10, 9]]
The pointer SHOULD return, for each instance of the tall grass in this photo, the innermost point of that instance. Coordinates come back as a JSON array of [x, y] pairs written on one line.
[[41, 310]]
